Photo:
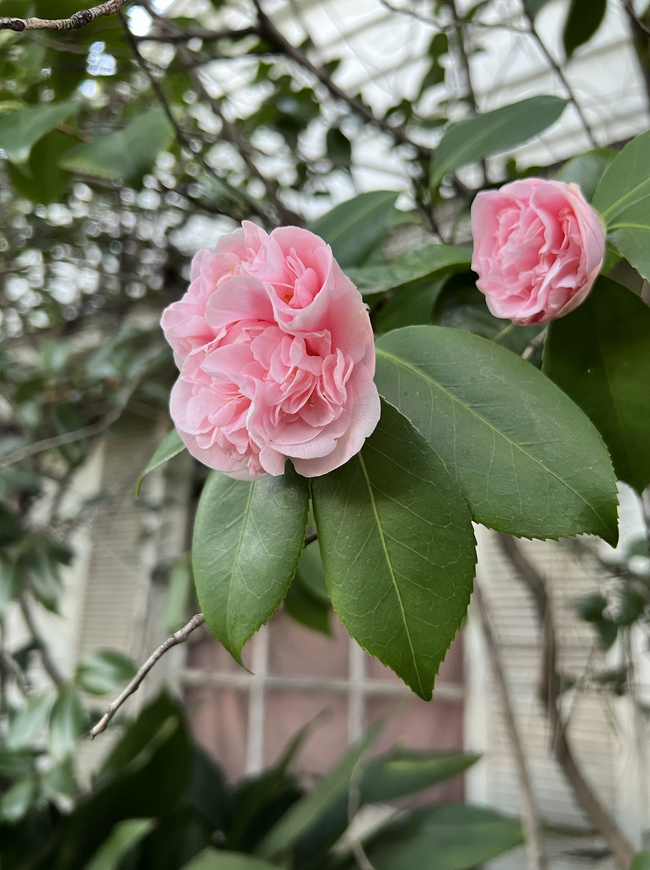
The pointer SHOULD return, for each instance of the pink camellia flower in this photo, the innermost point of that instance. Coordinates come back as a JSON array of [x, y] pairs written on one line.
[[276, 355], [538, 248]]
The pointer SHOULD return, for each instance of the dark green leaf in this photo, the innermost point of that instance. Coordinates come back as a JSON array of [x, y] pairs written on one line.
[[29, 722], [445, 837], [629, 606], [126, 155], [534, 6], [411, 304], [476, 138], [623, 200], [17, 800], [353, 227], [583, 20], [10, 529], [171, 445], [121, 840], [600, 356], [103, 670], [310, 570], [338, 146], [67, 722], [406, 771], [41, 179], [529, 462], [586, 170], [308, 809], [590, 607], [213, 859], [247, 542], [306, 609], [21, 130], [410, 266], [398, 550]]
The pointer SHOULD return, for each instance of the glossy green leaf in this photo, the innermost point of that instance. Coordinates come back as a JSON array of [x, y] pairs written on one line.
[[476, 138], [179, 591], [310, 569], [103, 670], [126, 155], [247, 542], [17, 800], [41, 179], [529, 462], [404, 771], [29, 722], [600, 356], [586, 170], [623, 200], [171, 445], [353, 227], [411, 304], [124, 836], [67, 722], [308, 809], [218, 859], [21, 130], [410, 266], [641, 861], [306, 609], [445, 837], [583, 20], [398, 550]]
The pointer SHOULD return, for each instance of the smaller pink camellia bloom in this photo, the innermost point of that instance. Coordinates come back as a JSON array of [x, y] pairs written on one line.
[[276, 356], [538, 248]]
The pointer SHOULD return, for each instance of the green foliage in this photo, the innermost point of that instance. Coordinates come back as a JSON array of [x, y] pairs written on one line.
[[395, 502], [600, 356], [583, 20], [103, 670], [528, 461], [171, 445], [476, 138], [67, 722], [125, 155], [586, 170], [179, 591], [353, 227], [641, 861], [410, 266], [21, 130], [211, 859], [247, 543], [623, 200], [121, 840], [445, 837], [307, 600]]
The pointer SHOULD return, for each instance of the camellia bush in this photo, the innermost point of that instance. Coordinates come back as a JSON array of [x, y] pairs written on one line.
[[356, 399]]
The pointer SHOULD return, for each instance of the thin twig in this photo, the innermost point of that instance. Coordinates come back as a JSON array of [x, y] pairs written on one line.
[[548, 692], [536, 343], [183, 137], [232, 133], [173, 640], [555, 66], [48, 663], [529, 810], [203, 35], [270, 32], [310, 539], [69, 437], [75, 22]]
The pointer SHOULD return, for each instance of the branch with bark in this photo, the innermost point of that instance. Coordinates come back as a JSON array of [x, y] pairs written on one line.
[[173, 640], [585, 795], [75, 22]]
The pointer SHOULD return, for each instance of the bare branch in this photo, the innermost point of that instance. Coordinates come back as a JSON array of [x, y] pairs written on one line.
[[270, 32], [203, 35], [173, 640], [536, 343], [75, 22], [310, 539], [529, 810], [548, 693], [48, 663]]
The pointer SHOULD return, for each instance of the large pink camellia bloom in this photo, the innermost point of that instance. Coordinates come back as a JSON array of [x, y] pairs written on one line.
[[538, 248], [276, 355]]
